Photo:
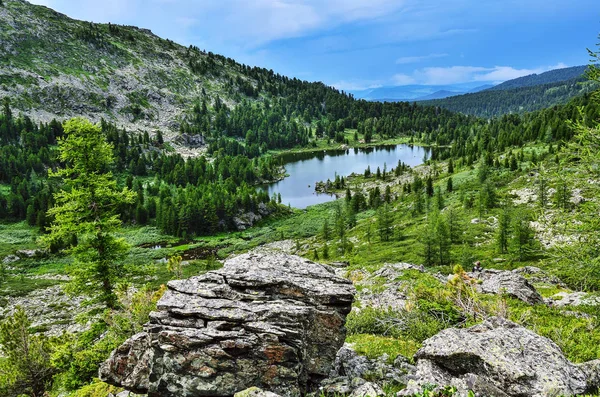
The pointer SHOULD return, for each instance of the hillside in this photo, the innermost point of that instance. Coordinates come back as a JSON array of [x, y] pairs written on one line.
[[552, 76], [496, 102], [52, 66]]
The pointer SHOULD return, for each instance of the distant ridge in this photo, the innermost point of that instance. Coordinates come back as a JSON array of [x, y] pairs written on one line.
[[552, 76]]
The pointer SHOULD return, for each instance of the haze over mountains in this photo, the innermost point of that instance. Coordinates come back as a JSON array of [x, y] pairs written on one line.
[[416, 92]]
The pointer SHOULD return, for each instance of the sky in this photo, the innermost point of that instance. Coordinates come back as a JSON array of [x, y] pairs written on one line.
[[360, 44]]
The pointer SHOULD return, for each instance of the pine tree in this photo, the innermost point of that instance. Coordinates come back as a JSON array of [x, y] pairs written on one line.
[[503, 232], [384, 222], [429, 186], [26, 367], [449, 185], [88, 208], [325, 231], [523, 241], [562, 195]]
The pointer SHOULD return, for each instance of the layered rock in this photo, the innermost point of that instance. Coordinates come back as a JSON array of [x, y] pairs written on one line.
[[273, 321], [499, 358]]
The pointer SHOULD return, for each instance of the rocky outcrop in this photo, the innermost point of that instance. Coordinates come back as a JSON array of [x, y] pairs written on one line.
[[273, 321], [351, 371], [537, 275], [511, 283], [563, 299], [193, 141], [393, 293], [498, 358], [51, 310]]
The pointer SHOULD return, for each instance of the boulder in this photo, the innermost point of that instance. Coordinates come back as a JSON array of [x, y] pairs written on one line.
[[255, 392], [537, 275], [513, 284], [368, 389], [268, 320], [563, 299], [10, 259], [499, 358]]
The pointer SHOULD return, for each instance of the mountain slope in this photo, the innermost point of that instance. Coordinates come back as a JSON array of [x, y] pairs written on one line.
[[552, 76], [54, 66]]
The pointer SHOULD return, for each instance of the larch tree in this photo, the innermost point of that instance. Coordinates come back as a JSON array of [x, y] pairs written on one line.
[[86, 213]]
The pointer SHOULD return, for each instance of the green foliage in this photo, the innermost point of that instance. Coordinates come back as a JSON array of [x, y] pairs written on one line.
[[25, 365], [79, 357], [174, 266], [86, 213]]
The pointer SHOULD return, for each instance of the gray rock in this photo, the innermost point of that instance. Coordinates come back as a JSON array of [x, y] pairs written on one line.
[[537, 275], [193, 141], [274, 321], [392, 271], [498, 358], [350, 369], [393, 296], [368, 390], [29, 253], [591, 369], [563, 299], [515, 285], [10, 259], [255, 392]]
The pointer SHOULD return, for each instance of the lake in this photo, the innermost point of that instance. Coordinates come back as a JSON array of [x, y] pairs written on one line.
[[306, 169]]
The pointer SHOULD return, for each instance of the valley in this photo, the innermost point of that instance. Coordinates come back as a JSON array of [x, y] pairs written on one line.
[[176, 223]]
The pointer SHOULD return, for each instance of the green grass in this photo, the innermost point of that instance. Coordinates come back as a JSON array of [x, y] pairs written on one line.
[[374, 346]]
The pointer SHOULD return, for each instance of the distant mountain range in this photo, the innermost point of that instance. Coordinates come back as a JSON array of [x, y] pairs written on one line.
[[417, 93], [527, 93]]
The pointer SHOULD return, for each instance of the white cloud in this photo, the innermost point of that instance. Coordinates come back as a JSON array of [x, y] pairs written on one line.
[[250, 23], [403, 79], [417, 59], [466, 74]]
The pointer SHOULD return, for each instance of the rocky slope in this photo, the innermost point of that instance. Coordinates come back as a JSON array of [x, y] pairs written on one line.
[[52, 66]]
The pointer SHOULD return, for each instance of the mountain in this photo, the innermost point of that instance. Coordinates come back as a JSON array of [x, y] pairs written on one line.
[[52, 66], [553, 76], [439, 95], [519, 96], [415, 92]]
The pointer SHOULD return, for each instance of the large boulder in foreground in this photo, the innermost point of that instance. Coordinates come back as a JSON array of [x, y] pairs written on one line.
[[498, 358], [274, 321]]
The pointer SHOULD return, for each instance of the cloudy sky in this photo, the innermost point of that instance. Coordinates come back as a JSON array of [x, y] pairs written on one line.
[[358, 44]]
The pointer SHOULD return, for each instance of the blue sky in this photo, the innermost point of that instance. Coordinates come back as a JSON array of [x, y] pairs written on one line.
[[359, 44]]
